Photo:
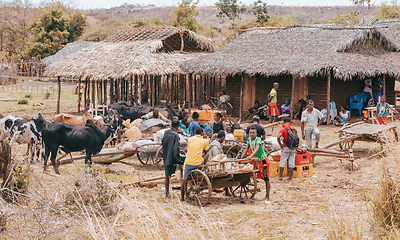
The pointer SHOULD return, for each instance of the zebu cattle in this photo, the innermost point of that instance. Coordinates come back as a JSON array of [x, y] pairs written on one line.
[[136, 112], [22, 130], [113, 116], [74, 138], [76, 120]]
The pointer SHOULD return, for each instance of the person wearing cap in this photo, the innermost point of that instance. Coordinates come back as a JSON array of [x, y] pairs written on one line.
[[196, 151], [288, 155], [171, 156], [255, 123]]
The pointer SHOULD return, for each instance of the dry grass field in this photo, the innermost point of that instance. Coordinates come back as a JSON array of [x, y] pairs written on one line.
[[334, 203]]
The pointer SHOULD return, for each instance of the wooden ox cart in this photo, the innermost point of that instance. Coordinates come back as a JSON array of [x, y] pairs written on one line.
[[200, 182]]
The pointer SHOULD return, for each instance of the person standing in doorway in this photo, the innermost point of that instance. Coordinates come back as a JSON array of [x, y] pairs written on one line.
[[311, 118], [273, 99], [144, 95]]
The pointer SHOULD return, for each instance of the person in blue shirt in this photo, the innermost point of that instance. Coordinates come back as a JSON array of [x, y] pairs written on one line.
[[378, 90], [193, 124]]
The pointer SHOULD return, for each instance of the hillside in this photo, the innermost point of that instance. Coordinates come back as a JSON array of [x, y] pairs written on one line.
[[208, 14]]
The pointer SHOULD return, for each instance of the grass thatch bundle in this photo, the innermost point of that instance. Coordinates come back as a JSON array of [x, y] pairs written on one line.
[[362, 51], [146, 51]]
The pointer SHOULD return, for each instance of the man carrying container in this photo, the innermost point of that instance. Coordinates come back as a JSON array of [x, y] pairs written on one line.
[[289, 145], [196, 149]]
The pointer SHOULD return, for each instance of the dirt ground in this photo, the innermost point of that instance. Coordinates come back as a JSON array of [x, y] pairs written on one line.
[[333, 199]]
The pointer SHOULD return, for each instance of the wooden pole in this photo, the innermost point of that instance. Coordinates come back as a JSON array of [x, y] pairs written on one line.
[[105, 91], [111, 90], [59, 94], [136, 90], [79, 94], [328, 97], [190, 92], [292, 97], [384, 85], [93, 95], [85, 93], [131, 88], [241, 96]]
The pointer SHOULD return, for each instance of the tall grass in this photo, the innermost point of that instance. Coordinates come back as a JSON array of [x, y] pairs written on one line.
[[340, 227], [385, 201], [142, 217]]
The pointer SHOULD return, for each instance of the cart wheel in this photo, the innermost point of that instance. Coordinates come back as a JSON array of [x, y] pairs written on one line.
[[346, 145], [159, 157], [145, 158], [197, 188], [234, 152], [247, 188]]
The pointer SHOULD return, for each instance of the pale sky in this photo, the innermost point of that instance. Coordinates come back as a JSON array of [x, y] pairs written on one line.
[[90, 4]]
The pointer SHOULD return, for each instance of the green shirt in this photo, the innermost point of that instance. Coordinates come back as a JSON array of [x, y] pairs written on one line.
[[253, 144], [274, 95]]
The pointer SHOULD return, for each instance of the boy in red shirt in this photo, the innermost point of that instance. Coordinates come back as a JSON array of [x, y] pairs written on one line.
[[287, 154]]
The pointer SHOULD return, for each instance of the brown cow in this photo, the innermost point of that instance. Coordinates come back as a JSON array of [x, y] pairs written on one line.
[[76, 120]]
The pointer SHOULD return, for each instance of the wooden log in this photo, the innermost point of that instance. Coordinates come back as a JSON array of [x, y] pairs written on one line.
[[350, 125], [6, 167], [147, 180], [270, 125], [333, 155], [325, 151], [376, 154]]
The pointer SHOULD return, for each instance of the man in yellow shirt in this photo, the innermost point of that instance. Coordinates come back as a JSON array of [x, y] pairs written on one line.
[[273, 99], [197, 146]]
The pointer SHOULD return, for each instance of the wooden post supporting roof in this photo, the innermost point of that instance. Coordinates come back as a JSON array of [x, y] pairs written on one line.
[[384, 85], [294, 77], [93, 95], [79, 94], [111, 90], [190, 92], [241, 96], [135, 90], [59, 94], [328, 98], [105, 91]]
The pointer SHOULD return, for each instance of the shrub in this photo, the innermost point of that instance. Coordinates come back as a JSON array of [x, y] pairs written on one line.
[[47, 95], [23, 101], [28, 95]]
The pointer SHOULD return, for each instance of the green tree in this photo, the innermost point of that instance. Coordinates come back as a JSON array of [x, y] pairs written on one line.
[[260, 10], [76, 27], [231, 9], [348, 18], [51, 33], [139, 22], [362, 3], [390, 10], [185, 15]]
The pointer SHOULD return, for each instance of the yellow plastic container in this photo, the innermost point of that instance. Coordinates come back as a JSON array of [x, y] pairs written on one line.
[[238, 134], [274, 169], [203, 116], [300, 171]]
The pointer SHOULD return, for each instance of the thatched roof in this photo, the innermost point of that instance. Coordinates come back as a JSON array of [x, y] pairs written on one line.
[[304, 50], [143, 51], [65, 51]]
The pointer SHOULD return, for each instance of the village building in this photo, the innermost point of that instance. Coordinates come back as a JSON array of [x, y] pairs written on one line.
[[327, 62], [117, 67]]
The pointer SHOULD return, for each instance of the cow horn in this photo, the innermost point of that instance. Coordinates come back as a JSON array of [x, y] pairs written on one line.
[[240, 120], [179, 106], [112, 121], [230, 120]]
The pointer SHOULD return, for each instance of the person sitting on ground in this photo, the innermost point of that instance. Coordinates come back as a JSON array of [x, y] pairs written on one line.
[[196, 149], [155, 114], [285, 108], [264, 111], [184, 123], [382, 111], [254, 110], [343, 117], [193, 124], [287, 155], [260, 130], [254, 148], [171, 156], [310, 122], [218, 125]]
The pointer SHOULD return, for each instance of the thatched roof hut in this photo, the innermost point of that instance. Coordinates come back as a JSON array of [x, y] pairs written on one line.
[[299, 55], [149, 56], [142, 51]]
